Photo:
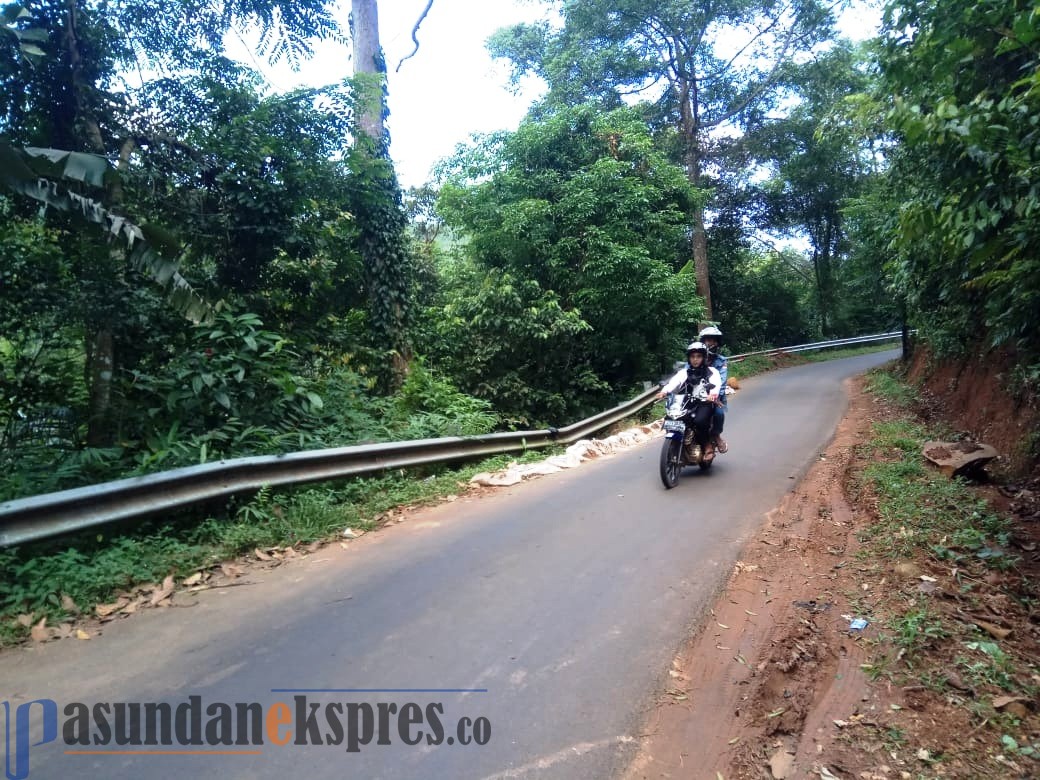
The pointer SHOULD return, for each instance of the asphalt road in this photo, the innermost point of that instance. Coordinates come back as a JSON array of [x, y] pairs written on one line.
[[552, 609]]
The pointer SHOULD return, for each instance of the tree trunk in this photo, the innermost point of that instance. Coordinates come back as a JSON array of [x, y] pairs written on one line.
[[692, 161], [100, 365], [368, 63], [100, 347], [381, 218]]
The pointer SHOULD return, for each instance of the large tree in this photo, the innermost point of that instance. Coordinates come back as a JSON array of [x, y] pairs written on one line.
[[582, 204], [707, 68], [818, 160], [377, 197]]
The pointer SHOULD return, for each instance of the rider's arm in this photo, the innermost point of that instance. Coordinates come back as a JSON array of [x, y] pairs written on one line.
[[675, 382], [716, 383], [723, 372]]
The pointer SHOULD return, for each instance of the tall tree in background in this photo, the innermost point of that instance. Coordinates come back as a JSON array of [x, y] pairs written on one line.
[[818, 163], [378, 205], [708, 67]]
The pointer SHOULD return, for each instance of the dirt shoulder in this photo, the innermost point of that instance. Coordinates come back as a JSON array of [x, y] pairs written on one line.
[[777, 684]]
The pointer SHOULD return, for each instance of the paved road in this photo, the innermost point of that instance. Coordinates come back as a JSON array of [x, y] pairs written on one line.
[[556, 606]]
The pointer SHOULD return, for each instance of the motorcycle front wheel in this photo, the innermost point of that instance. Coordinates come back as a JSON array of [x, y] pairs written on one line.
[[671, 462]]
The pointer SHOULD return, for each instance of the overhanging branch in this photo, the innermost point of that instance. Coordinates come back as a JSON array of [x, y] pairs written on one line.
[[415, 32]]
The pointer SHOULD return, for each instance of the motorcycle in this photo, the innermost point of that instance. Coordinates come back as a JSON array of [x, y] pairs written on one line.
[[679, 437]]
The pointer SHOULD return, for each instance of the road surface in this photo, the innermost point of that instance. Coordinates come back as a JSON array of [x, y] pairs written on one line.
[[551, 610]]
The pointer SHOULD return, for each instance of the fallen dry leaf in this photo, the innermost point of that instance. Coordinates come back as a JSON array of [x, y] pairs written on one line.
[[995, 631], [261, 555], [194, 579], [230, 570], [25, 620], [81, 634], [781, 764], [162, 592], [104, 610], [39, 632], [69, 605], [1001, 702]]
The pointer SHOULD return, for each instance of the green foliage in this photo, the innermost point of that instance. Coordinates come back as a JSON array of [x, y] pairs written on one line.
[[506, 340], [147, 248], [376, 198], [988, 664], [37, 365], [965, 84], [233, 370], [760, 298], [884, 384], [582, 205], [822, 159], [88, 573], [917, 629], [697, 67], [920, 508], [434, 407]]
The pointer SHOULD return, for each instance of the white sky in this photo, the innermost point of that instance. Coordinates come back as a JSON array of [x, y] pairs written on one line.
[[451, 88]]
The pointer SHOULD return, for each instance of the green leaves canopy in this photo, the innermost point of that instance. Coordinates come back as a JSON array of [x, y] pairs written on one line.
[[148, 248], [583, 205], [965, 80]]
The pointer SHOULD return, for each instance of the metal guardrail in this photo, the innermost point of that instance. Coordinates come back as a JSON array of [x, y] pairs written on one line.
[[821, 345], [52, 514]]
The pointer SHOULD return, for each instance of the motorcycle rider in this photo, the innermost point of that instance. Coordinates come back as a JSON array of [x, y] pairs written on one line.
[[711, 337], [698, 374]]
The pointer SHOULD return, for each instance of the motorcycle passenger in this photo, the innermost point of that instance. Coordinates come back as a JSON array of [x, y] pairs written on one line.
[[697, 374], [711, 337]]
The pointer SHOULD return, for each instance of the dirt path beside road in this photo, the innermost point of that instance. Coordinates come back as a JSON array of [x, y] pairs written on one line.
[[775, 664], [775, 683]]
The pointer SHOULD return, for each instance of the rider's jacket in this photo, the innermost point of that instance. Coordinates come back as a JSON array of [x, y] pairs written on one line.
[[722, 366], [713, 379]]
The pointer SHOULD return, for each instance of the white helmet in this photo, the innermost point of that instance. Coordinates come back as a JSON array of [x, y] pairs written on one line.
[[697, 346], [710, 330]]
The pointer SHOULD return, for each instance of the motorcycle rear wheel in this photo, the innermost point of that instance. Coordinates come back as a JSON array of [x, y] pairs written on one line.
[[671, 462]]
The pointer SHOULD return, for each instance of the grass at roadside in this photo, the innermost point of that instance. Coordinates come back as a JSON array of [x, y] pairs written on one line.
[[57, 579], [954, 619]]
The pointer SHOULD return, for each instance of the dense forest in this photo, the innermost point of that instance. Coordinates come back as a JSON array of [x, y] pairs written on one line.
[[194, 267]]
